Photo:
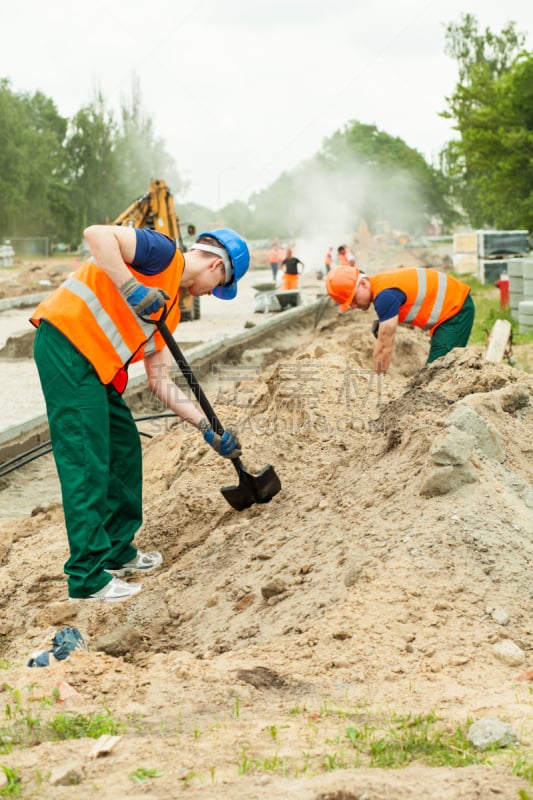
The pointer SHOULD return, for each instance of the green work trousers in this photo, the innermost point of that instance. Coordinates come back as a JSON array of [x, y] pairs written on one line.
[[455, 332], [98, 455]]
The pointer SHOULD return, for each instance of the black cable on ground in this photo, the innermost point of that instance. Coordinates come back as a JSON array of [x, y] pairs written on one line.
[[44, 448]]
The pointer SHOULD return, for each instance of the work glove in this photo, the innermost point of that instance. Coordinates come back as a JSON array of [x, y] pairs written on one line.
[[226, 445], [142, 299], [375, 328]]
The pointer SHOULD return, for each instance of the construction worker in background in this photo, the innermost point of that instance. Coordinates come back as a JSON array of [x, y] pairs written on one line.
[[342, 261], [274, 258], [290, 275], [423, 298], [328, 260], [89, 330], [345, 256]]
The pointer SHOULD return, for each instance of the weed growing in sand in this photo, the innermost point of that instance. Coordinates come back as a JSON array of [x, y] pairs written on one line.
[[274, 764], [141, 774], [273, 731], [244, 764], [398, 747], [22, 727], [333, 761], [339, 739], [523, 768], [13, 787], [78, 726]]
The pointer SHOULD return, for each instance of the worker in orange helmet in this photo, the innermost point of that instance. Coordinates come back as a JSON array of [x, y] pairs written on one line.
[[423, 298], [274, 259]]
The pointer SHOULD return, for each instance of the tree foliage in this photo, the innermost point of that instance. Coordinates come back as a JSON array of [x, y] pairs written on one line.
[[57, 175], [492, 108], [140, 153], [360, 171], [31, 136]]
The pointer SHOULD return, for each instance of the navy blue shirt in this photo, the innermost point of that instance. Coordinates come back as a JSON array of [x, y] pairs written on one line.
[[387, 303], [153, 253]]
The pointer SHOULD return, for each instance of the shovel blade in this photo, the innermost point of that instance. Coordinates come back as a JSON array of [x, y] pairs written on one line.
[[252, 489]]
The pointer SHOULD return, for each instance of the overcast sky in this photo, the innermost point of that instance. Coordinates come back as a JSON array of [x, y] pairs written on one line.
[[243, 89]]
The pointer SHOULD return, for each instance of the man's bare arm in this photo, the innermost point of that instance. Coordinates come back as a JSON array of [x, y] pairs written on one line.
[[157, 367], [112, 247], [382, 355]]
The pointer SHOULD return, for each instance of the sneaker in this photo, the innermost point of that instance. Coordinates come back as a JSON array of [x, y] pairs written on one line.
[[115, 591], [143, 562]]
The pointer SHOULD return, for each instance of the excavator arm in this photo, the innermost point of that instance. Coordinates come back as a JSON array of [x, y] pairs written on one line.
[[155, 210]]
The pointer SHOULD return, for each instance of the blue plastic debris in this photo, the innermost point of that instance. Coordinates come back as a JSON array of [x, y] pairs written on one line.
[[64, 642]]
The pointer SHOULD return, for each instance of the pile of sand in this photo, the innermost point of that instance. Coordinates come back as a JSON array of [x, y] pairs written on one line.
[[355, 585]]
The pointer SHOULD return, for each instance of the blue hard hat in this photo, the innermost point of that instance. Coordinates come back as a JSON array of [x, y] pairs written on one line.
[[239, 254]]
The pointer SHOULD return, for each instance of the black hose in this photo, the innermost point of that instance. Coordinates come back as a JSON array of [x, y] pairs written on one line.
[[27, 456], [21, 460]]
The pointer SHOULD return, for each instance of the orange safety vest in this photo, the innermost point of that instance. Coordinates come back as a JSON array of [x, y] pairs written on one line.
[[273, 256], [93, 314], [327, 259], [431, 297]]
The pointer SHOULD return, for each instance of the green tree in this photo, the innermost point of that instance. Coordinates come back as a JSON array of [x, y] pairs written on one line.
[[31, 138], [491, 162], [90, 164], [140, 155], [472, 48], [359, 172]]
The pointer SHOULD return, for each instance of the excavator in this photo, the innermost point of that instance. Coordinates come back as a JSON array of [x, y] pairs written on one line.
[[155, 210]]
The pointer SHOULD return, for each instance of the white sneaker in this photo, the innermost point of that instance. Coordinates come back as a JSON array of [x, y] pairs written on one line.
[[143, 562], [115, 591]]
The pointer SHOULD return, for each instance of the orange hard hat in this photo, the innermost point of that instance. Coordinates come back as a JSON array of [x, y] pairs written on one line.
[[341, 284]]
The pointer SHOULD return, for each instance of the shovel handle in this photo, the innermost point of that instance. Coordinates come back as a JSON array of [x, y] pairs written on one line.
[[191, 379]]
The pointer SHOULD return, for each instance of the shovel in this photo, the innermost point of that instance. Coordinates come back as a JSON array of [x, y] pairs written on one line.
[[252, 489]]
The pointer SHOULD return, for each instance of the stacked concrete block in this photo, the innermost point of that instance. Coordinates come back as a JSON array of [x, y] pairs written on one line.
[[465, 253], [525, 304], [516, 285], [6, 255]]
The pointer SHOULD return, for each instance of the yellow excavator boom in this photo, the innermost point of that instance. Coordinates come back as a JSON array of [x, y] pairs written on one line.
[[155, 210]]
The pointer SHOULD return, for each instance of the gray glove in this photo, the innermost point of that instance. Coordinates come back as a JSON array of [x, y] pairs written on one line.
[[227, 445], [142, 299], [375, 328]]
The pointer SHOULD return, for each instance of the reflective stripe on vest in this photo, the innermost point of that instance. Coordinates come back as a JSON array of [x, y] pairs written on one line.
[[432, 297], [421, 296], [105, 322], [96, 318]]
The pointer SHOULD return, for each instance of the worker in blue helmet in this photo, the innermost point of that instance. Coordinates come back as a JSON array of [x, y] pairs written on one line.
[[229, 246], [89, 330]]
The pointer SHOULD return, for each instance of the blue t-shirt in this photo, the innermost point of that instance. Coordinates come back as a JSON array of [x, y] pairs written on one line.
[[387, 303], [153, 253]]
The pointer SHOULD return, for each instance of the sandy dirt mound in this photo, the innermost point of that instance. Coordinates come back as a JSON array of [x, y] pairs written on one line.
[[37, 276], [392, 575]]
